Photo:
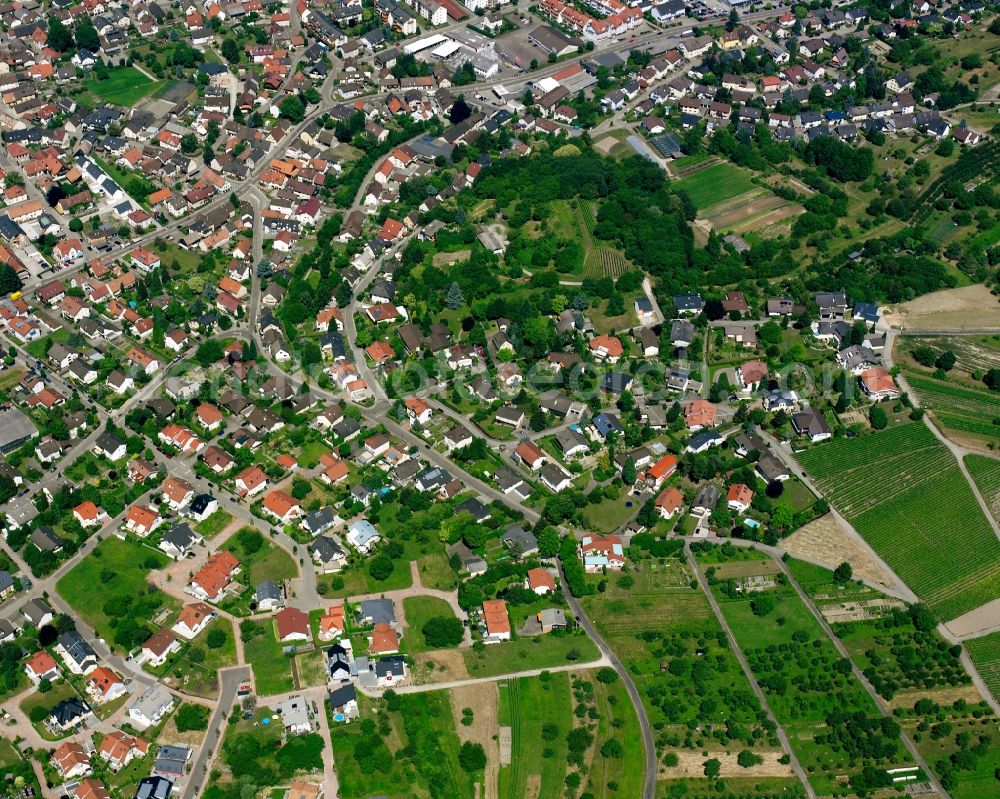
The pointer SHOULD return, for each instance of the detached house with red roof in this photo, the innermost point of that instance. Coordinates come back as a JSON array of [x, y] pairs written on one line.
[[598, 554], [104, 686], [282, 506], [41, 666], [878, 384], [251, 481], [669, 502], [606, 348], [210, 582], [89, 515], [496, 620], [739, 497], [658, 473]]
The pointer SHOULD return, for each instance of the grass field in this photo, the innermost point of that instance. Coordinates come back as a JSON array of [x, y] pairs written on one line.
[[660, 620], [985, 654], [905, 494], [272, 669], [715, 183], [526, 705], [270, 562], [414, 750], [88, 594], [610, 777], [124, 86], [418, 610], [530, 653], [214, 524]]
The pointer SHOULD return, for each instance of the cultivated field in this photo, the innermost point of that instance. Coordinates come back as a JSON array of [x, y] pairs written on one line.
[[986, 472], [958, 407], [905, 494], [985, 654], [714, 184]]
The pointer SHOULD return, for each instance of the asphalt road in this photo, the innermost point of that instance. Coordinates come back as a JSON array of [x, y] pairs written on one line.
[[230, 680]]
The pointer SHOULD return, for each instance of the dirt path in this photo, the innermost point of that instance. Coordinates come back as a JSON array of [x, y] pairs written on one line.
[[485, 727]]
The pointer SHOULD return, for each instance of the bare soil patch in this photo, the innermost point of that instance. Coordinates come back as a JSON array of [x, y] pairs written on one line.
[[942, 696], [448, 258], [966, 307], [983, 619], [823, 541], [448, 665], [692, 764], [484, 701], [775, 217], [532, 785]]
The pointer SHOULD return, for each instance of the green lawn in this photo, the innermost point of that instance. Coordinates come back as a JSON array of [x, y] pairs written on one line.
[[60, 691], [272, 669], [611, 777], [269, 562], [214, 524], [800, 672], [124, 86], [608, 515], [530, 653], [37, 349], [526, 705], [311, 453], [715, 183], [418, 610], [125, 564]]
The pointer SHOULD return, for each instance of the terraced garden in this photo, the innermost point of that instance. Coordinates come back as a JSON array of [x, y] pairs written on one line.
[[905, 494]]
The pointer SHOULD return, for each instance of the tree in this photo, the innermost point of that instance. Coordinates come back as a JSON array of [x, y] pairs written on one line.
[[301, 489], [713, 767], [86, 35], [189, 143], [191, 717], [381, 567], [747, 759], [208, 352], [843, 573], [991, 378], [459, 111], [59, 37], [612, 748], [946, 361], [9, 281], [548, 542], [230, 50], [762, 605], [472, 757], [924, 355], [76, 225], [292, 108], [628, 472], [455, 299], [216, 638], [443, 632], [878, 417]]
